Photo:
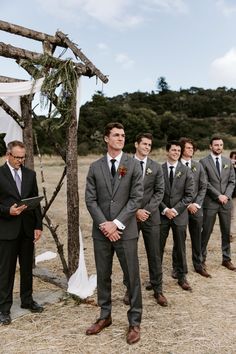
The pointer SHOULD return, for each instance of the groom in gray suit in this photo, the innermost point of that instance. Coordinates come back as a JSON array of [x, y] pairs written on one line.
[[221, 181], [114, 192]]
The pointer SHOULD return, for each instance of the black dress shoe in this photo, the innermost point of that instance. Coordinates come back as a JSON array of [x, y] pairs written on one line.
[[148, 286], [33, 307], [5, 318], [174, 274]]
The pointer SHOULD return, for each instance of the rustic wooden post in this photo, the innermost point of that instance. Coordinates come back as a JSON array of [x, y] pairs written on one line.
[[28, 130], [72, 187]]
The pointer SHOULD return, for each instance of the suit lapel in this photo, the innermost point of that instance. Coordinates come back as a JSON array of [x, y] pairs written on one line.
[[148, 165], [10, 178], [165, 171], [106, 173], [177, 173], [118, 178], [212, 163]]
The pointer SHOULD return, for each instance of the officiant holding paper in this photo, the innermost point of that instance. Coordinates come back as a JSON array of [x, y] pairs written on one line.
[[19, 229]]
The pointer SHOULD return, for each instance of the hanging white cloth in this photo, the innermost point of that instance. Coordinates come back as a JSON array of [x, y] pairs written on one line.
[[79, 283]]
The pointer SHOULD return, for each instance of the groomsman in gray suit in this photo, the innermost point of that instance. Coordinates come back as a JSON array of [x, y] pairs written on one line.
[[114, 192], [179, 192], [195, 210], [148, 216], [221, 181]]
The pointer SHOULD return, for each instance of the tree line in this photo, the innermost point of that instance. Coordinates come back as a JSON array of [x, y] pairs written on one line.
[[195, 112]]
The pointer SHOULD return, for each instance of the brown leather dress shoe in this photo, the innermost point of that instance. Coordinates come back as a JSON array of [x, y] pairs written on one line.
[[126, 298], [203, 272], [133, 335], [185, 285], [98, 326], [161, 299], [229, 265]]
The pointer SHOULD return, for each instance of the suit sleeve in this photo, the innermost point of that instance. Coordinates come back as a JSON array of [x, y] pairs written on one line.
[[202, 186], [91, 198], [135, 196], [188, 193], [158, 194], [37, 211]]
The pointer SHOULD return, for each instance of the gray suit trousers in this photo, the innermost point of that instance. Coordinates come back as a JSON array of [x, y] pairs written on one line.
[[209, 218], [126, 252]]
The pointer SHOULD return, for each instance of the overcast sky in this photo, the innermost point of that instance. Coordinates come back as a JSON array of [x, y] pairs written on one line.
[[189, 42]]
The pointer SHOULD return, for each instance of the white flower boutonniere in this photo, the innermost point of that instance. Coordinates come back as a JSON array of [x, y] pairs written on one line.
[[148, 171], [193, 168], [225, 166], [178, 174]]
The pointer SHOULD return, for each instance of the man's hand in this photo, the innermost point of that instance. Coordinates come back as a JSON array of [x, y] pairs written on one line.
[[142, 214], [192, 208], [115, 236], [14, 210], [170, 214], [108, 228], [223, 199], [37, 235]]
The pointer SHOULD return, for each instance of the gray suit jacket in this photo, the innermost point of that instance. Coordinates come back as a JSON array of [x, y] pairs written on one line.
[[200, 182], [109, 199], [180, 195], [216, 185], [153, 191]]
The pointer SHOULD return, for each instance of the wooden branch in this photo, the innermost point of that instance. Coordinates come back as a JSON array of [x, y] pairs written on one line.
[[78, 53], [29, 33], [12, 113], [50, 277], [9, 51], [6, 79]]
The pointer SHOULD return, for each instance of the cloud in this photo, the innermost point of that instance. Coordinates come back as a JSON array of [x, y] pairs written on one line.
[[113, 13], [178, 6], [125, 61], [102, 46], [223, 69], [227, 7]]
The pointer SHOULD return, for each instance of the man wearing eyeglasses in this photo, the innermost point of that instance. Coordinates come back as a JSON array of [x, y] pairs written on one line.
[[19, 229]]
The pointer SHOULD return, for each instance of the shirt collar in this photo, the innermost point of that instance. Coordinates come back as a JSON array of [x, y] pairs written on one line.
[[175, 164], [184, 162], [118, 157]]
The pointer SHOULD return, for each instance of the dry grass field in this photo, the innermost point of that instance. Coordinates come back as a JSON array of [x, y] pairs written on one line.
[[202, 322]]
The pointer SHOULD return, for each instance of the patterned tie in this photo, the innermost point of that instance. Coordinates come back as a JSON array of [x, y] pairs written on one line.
[[218, 165], [113, 167], [171, 176], [18, 181]]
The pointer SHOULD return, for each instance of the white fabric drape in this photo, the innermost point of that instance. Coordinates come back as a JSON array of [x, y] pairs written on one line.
[[10, 93], [79, 283]]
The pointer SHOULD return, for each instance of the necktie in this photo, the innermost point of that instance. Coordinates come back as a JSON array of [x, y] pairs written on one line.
[[171, 176], [141, 163], [218, 165], [187, 163], [17, 180], [113, 167]]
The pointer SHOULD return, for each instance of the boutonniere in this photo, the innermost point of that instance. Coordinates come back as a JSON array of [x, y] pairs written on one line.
[[225, 166], [122, 170], [178, 174], [193, 168], [148, 171]]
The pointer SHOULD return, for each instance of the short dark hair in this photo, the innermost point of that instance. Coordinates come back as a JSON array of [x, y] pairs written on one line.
[[215, 138], [172, 142], [183, 141], [110, 126], [140, 136], [13, 144], [232, 153]]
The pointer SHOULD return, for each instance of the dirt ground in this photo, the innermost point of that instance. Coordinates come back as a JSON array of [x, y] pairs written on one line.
[[203, 321]]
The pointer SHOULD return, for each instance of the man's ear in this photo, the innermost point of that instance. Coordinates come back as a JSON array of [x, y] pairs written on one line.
[[136, 145], [105, 139]]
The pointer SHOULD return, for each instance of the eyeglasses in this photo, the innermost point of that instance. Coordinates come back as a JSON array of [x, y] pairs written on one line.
[[20, 158]]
